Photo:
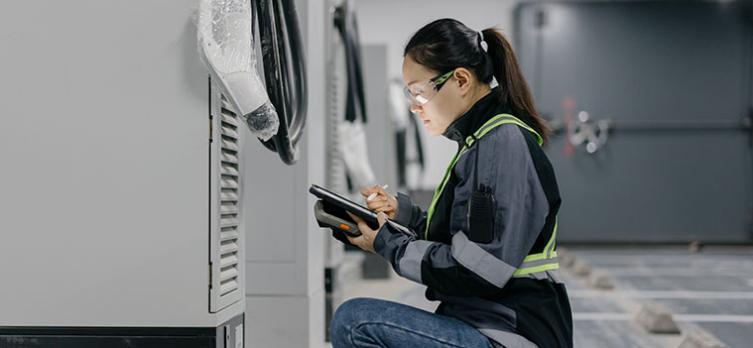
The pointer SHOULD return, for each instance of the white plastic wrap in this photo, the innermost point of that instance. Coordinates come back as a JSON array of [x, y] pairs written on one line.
[[225, 45], [355, 153]]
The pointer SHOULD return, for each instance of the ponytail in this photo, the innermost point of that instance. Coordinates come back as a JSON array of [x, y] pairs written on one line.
[[514, 89], [446, 44]]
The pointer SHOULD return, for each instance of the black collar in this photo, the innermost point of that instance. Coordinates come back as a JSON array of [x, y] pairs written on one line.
[[484, 109]]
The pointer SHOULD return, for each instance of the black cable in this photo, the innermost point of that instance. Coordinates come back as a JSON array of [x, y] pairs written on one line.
[[355, 102], [284, 72], [347, 27]]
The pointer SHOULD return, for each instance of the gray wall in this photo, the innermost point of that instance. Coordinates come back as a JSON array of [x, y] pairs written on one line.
[[642, 63]]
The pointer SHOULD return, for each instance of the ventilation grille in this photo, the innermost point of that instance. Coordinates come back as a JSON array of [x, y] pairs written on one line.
[[226, 256], [229, 193]]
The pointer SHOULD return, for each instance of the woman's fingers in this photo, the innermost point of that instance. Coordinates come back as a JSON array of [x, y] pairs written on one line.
[[377, 199], [366, 191], [359, 241], [391, 213], [382, 218], [384, 209], [369, 190], [381, 191], [357, 219], [377, 204], [382, 202]]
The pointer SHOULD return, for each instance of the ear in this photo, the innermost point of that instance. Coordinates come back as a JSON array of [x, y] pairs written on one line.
[[464, 77]]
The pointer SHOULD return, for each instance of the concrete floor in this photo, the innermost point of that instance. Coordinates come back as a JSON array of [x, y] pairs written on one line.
[[710, 290]]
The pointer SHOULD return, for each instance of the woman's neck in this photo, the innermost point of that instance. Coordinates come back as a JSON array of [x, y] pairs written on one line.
[[477, 94], [483, 107]]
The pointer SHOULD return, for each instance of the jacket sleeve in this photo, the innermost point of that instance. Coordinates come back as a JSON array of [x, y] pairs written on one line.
[[466, 267], [410, 215]]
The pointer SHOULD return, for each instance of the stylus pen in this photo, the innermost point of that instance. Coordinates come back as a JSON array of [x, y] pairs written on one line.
[[401, 228], [373, 195]]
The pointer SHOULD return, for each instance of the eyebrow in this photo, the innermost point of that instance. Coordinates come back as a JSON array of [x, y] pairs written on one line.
[[412, 82]]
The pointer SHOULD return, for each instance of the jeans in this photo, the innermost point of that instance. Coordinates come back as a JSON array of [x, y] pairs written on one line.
[[371, 323]]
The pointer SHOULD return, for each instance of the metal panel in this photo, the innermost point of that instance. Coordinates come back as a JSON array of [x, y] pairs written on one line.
[[674, 78]]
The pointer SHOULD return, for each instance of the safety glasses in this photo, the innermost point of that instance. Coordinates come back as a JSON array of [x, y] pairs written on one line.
[[422, 93]]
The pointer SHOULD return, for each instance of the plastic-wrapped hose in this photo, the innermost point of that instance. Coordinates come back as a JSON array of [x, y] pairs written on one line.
[[224, 30], [284, 72]]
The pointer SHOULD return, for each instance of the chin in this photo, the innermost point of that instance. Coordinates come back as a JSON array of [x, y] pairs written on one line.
[[433, 130]]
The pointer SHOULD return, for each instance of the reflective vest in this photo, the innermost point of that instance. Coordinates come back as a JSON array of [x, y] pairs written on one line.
[[533, 263]]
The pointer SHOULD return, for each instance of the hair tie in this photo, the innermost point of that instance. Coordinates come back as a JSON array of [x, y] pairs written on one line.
[[484, 45]]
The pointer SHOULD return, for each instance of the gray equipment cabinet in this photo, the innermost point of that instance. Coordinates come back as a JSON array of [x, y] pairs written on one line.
[[120, 188]]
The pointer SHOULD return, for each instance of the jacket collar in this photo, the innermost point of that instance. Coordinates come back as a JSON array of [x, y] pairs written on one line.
[[483, 110]]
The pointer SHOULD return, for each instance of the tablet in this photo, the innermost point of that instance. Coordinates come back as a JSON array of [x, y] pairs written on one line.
[[343, 203], [354, 208]]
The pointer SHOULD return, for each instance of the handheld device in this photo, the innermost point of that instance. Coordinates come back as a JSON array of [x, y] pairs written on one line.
[[345, 204], [334, 208]]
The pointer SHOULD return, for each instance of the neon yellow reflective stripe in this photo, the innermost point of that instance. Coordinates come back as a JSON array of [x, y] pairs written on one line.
[[494, 122], [553, 238], [537, 269], [539, 256], [500, 120], [549, 249], [547, 254], [438, 193]]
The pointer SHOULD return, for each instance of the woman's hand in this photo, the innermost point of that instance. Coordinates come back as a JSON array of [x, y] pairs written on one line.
[[366, 240], [382, 203]]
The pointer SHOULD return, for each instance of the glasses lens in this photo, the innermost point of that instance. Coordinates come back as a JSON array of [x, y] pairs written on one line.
[[407, 93], [425, 92], [421, 94]]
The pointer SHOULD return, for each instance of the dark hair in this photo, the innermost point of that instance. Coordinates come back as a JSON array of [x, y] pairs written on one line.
[[447, 44]]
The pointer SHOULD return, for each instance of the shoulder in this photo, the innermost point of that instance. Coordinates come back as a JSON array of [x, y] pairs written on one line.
[[505, 146], [505, 138]]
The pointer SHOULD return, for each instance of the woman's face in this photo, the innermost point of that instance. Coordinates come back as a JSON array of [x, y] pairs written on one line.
[[443, 107]]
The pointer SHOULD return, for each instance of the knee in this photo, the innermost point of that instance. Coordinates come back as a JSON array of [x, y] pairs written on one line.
[[351, 311], [347, 316]]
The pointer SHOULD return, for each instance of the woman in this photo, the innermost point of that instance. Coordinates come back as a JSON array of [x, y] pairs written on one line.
[[486, 245]]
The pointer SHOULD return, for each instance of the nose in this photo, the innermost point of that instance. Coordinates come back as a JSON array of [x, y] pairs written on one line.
[[415, 107]]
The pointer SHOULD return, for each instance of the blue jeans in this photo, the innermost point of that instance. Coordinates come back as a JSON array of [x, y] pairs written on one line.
[[372, 323]]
